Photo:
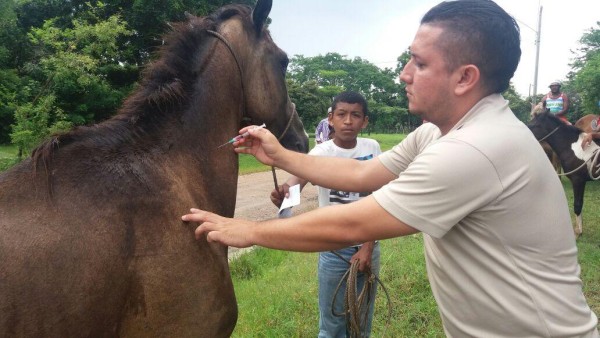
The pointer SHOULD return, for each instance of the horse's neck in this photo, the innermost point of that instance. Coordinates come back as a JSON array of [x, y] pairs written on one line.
[[561, 142]]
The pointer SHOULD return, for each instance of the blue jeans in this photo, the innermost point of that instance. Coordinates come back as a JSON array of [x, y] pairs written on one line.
[[331, 270]]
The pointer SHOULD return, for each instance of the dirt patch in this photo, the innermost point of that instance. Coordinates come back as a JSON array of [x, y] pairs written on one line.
[[253, 200]]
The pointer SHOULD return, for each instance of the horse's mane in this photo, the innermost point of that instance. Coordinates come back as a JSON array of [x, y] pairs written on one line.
[[163, 89]]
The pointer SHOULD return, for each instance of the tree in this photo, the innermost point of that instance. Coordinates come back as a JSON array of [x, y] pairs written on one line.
[[520, 107], [337, 70], [318, 79], [70, 63], [311, 101], [9, 84], [64, 85], [35, 121], [585, 73]]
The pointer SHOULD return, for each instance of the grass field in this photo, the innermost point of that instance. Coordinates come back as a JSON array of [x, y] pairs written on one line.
[[277, 291], [8, 156]]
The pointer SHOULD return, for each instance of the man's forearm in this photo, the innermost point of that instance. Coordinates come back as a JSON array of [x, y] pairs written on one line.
[[329, 228]]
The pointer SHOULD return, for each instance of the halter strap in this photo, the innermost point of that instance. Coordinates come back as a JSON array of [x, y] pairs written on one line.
[[237, 62], [239, 67], [552, 132]]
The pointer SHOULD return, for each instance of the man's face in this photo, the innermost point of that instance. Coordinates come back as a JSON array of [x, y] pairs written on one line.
[[554, 89], [427, 79]]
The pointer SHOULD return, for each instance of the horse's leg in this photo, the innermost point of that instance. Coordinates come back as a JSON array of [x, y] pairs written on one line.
[[578, 190], [556, 163]]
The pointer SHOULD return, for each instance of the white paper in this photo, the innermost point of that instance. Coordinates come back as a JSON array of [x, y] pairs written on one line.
[[292, 200]]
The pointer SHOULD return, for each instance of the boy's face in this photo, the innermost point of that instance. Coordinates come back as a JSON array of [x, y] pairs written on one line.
[[348, 119]]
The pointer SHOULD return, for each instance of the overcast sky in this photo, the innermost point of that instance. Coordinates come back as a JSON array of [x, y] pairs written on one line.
[[381, 30]]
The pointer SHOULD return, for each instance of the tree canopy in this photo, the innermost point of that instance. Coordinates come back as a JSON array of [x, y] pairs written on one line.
[[586, 71]]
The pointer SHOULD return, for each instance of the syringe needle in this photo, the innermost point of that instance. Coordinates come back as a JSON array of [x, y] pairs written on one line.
[[239, 137]]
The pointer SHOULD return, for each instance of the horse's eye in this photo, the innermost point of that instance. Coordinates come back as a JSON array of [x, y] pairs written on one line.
[[284, 63]]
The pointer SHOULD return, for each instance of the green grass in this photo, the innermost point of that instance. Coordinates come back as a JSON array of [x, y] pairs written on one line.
[[8, 151], [8, 156], [277, 291]]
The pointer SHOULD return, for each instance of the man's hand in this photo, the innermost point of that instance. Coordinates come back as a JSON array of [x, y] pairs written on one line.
[[587, 140], [228, 231], [261, 143]]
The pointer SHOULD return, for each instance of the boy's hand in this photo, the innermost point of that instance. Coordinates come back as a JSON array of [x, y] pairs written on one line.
[[364, 256], [278, 195]]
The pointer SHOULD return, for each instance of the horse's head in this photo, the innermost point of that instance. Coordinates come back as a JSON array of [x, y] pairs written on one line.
[[262, 67], [537, 109], [544, 125]]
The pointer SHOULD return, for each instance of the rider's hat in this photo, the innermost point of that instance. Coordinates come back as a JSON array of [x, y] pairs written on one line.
[[555, 83]]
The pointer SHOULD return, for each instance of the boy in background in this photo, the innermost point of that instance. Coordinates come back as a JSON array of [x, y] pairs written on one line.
[[348, 116]]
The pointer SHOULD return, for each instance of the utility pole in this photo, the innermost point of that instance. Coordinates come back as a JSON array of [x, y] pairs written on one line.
[[537, 57]]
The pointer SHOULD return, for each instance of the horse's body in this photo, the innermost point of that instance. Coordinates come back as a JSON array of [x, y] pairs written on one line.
[[564, 140], [91, 239]]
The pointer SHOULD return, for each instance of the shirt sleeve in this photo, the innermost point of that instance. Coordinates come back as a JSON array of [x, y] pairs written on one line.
[[398, 158], [441, 186]]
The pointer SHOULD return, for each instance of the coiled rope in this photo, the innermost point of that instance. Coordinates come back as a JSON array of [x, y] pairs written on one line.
[[593, 166], [354, 302]]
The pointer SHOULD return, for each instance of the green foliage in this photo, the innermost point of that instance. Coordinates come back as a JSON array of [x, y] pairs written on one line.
[[35, 121], [520, 107], [314, 81], [588, 84], [9, 84], [8, 157], [586, 71], [311, 101], [70, 61]]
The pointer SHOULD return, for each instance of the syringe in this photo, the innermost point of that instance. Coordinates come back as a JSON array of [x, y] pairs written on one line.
[[239, 137]]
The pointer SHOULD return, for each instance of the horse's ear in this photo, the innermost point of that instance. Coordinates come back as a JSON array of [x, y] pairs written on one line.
[[260, 14]]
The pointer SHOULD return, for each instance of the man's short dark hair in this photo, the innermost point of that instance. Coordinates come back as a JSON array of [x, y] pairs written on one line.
[[481, 33], [351, 97]]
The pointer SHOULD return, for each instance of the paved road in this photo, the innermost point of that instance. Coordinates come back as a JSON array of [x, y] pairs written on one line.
[[253, 201]]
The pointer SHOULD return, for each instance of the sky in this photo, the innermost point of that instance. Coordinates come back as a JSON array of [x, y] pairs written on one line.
[[381, 30]]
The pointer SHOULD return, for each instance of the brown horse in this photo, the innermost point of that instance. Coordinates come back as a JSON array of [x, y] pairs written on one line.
[[578, 167], [91, 239], [586, 123]]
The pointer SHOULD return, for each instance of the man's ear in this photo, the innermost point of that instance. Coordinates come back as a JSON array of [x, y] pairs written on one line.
[[469, 77], [365, 122]]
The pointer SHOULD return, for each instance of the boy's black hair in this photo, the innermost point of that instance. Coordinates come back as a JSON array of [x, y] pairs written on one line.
[[478, 32], [351, 97]]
